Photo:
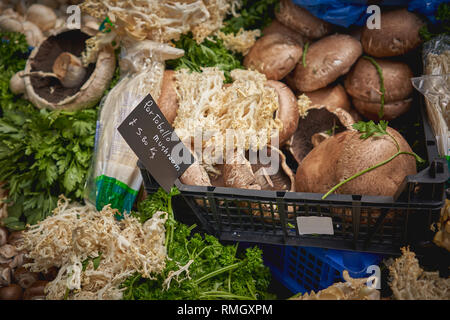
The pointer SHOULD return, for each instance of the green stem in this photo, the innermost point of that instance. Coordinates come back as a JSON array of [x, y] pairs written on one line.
[[305, 50], [369, 169], [382, 89], [217, 272]]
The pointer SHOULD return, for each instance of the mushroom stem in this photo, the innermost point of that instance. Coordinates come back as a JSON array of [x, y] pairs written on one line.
[[69, 70]]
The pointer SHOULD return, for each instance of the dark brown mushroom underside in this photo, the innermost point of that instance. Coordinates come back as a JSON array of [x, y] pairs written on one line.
[[51, 88], [317, 120]]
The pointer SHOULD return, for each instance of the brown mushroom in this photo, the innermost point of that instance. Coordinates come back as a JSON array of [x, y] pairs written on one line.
[[287, 111], [8, 251], [274, 55], [363, 84], [363, 80], [333, 96], [15, 238], [397, 35], [36, 291], [11, 292], [3, 236], [319, 119], [168, 101], [277, 27], [17, 261], [345, 154], [195, 174], [243, 173], [301, 20], [5, 275], [47, 92], [42, 16], [50, 274], [326, 60], [25, 278], [391, 111]]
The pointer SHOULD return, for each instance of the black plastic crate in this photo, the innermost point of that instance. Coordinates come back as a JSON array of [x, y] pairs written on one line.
[[361, 223]]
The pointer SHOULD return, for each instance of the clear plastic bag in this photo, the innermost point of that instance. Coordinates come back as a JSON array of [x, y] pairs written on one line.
[[114, 177], [435, 86]]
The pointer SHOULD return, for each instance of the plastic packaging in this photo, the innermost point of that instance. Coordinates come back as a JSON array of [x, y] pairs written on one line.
[[435, 86], [354, 12], [114, 177]]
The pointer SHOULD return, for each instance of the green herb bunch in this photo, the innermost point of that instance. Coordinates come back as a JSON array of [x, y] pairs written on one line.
[[252, 15], [42, 153], [210, 53], [214, 271]]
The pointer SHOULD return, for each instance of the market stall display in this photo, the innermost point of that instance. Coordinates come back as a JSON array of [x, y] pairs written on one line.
[[305, 132]]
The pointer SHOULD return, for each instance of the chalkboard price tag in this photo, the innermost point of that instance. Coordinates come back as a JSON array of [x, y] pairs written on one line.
[[155, 143]]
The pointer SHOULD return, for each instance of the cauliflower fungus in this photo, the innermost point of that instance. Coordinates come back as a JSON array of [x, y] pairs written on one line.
[[227, 117], [93, 250]]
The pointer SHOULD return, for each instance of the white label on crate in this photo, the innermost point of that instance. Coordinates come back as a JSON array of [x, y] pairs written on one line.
[[315, 225]]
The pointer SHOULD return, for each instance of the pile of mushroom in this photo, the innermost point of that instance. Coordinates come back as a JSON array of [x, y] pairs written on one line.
[[16, 282], [37, 20], [347, 78], [55, 77]]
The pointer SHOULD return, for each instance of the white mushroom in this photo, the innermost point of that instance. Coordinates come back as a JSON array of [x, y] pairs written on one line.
[[32, 33], [69, 70], [16, 84], [42, 16]]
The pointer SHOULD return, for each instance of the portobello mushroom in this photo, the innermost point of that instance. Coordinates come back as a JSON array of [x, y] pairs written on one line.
[[326, 60], [398, 34]]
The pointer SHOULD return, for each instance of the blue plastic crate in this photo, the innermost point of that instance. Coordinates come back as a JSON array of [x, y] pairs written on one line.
[[303, 269]]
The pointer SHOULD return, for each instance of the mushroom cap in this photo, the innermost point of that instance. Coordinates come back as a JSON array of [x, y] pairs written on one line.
[[363, 80], [168, 101], [392, 109], [42, 16], [326, 60], [3, 236], [274, 55], [11, 292], [301, 20], [25, 278], [98, 76], [333, 96], [318, 119], [398, 34], [345, 154], [283, 179], [35, 291], [277, 27], [239, 172], [195, 174], [287, 111]]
